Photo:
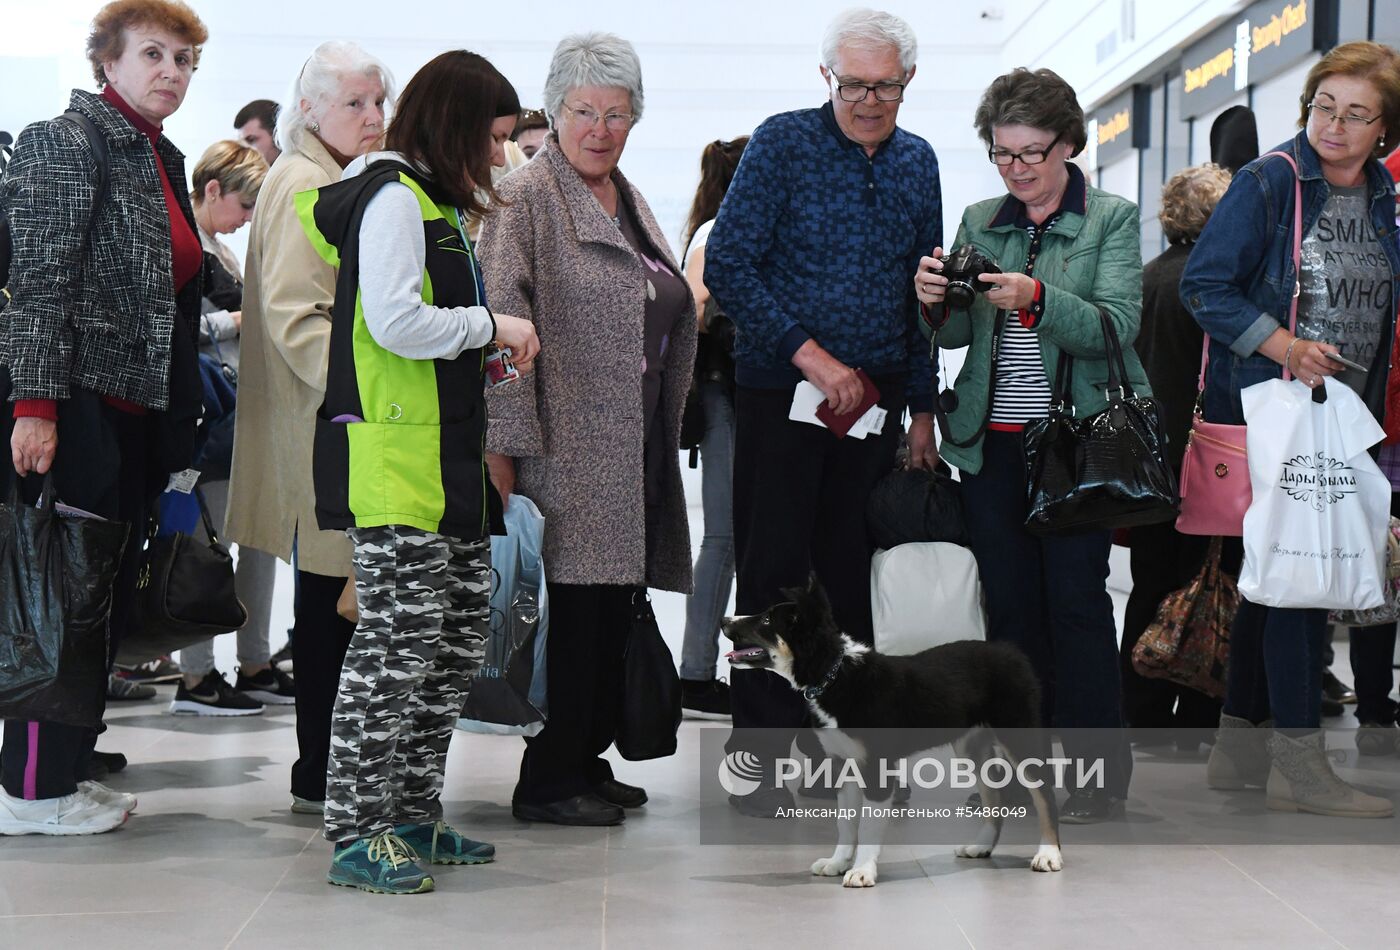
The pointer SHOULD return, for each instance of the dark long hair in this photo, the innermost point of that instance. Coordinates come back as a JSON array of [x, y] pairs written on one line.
[[717, 165], [442, 121]]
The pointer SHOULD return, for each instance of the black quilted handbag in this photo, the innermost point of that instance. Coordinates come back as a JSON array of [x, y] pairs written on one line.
[[1106, 471], [186, 595]]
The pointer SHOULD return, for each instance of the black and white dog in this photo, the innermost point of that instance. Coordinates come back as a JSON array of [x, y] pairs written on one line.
[[888, 708]]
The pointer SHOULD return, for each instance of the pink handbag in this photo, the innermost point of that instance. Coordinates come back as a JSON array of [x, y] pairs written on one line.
[[1214, 483]]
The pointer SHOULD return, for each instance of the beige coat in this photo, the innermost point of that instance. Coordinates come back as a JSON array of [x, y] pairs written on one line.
[[552, 255], [287, 295]]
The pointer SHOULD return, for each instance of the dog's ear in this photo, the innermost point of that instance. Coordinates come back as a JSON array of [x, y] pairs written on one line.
[[812, 602], [793, 594]]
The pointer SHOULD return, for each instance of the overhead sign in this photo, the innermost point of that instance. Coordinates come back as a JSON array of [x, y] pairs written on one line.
[[1269, 37], [1119, 125]]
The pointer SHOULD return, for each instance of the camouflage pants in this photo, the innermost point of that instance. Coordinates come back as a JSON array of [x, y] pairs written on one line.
[[423, 600]]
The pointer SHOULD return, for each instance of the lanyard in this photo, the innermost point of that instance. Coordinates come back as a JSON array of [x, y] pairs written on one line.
[[471, 258]]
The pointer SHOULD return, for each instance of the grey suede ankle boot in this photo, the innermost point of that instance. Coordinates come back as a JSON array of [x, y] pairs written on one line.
[[1302, 780], [1240, 756]]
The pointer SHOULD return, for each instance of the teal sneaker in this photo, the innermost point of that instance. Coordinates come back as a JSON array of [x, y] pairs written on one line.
[[445, 845], [383, 864]]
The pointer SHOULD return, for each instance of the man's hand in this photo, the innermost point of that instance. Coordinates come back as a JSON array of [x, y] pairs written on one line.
[[923, 448], [33, 444], [501, 469], [837, 381]]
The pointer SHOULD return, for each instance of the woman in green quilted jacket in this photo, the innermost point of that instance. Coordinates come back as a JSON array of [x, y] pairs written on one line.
[[1062, 251]]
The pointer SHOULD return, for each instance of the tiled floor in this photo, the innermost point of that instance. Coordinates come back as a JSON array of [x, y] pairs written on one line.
[[213, 859]]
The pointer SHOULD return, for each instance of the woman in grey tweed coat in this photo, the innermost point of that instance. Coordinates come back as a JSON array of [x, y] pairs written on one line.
[[592, 435]]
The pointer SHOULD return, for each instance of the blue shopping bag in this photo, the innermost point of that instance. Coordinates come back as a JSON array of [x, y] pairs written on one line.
[[507, 695]]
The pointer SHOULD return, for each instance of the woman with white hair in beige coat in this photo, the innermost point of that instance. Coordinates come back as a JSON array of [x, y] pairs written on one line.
[[592, 435], [334, 113]]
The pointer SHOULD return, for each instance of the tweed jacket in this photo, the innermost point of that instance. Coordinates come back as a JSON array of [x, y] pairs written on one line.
[[284, 349], [92, 310], [551, 254]]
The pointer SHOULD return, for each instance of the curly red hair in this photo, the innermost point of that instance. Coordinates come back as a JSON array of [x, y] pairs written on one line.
[[107, 41]]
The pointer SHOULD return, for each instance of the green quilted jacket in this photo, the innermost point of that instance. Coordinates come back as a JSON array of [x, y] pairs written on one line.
[[1088, 262]]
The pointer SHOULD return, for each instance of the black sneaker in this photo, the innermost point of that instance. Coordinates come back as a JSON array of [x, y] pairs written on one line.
[[705, 699], [160, 670], [213, 697], [282, 659], [271, 686]]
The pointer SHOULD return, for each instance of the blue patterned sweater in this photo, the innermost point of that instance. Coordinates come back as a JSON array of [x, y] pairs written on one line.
[[817, 240]]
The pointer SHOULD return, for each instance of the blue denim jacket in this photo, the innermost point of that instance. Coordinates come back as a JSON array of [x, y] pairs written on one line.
[[1240, 280]]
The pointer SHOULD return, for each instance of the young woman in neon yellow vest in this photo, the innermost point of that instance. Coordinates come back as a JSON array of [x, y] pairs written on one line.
[[399, 462]]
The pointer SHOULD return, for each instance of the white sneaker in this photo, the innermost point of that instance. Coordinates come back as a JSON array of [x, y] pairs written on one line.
[[305, 806], [75, 814], [108, 796]]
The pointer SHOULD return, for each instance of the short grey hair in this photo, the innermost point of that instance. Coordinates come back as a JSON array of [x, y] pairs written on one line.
[[318, 82], [592, 59], [871, 30]]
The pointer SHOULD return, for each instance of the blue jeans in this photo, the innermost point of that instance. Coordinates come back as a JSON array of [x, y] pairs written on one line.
[[1049, 597], [1276, 666], [714, 567]]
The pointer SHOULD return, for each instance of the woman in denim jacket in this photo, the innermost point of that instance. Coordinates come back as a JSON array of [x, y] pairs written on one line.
[[1239, 284]]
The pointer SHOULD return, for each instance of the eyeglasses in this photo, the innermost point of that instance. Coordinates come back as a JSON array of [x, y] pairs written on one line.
[[1348, 121], [857, 91], [615, 121], [1030, 156]]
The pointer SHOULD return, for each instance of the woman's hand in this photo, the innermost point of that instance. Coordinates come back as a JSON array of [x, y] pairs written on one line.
[[501, 469], [1309, 361], [929, 284], [1009, 291], [33, 444], [519, 336]]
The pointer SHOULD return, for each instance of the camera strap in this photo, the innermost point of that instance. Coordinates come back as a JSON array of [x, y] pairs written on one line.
[[940, 413]]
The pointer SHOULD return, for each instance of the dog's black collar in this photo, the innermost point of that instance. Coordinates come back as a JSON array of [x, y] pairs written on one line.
[[812, 692]]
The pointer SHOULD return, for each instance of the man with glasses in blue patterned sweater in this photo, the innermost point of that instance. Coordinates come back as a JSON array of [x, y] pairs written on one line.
[[812, 256]]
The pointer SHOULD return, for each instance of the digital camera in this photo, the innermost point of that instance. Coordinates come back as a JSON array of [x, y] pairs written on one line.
[[962, 268]]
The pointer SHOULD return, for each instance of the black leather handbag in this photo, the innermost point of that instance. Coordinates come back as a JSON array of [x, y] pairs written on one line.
[[185, 594], [651, 697], [1106, 471]]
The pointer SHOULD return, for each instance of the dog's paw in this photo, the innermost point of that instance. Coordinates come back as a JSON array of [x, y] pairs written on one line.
[[831, 867], [863, 876], [973, 851], [1048, 858]]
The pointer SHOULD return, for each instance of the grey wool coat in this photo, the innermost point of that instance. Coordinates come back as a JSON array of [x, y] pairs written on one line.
[[550, 254]]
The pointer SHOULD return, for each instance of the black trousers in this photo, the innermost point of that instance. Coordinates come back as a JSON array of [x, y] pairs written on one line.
[[1163, 561], [588, 630], [1372, 656], [799, 508], [101, 465], [320, 638], [1049, 597]]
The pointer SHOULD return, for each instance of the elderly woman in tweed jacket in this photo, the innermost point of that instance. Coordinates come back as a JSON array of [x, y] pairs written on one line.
[[98, 343], [592, 435]]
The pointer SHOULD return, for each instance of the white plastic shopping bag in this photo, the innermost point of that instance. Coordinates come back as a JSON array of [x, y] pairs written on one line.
[[1315, 533]]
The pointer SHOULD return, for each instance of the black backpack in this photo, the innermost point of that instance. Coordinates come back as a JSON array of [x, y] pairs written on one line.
[[99, 152]]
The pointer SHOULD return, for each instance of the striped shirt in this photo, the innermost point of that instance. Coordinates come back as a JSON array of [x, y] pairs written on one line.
[[1022, 393]]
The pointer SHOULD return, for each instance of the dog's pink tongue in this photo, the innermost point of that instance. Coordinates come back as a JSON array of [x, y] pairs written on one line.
[[743, 654]]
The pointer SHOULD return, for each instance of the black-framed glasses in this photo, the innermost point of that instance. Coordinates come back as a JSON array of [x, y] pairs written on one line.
[[615, 121], [1348, 121], [857, 91], [1029, 156]]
